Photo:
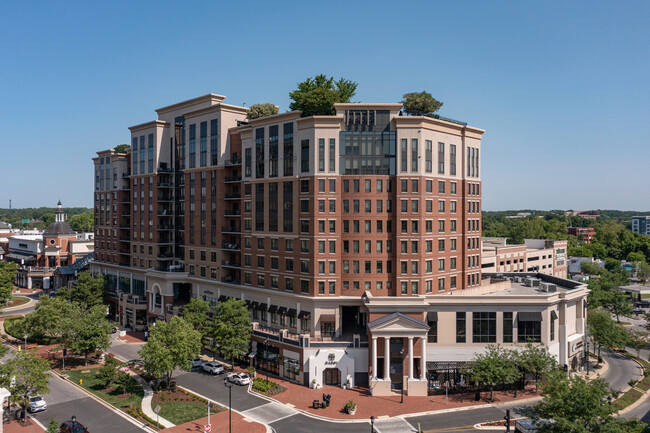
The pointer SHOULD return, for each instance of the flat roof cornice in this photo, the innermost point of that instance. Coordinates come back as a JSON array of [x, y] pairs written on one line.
[[357, 105], [275, 118], [147, 125], [210, 97], [436, 124], [216, 108]]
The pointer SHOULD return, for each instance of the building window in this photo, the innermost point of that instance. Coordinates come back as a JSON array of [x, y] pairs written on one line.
[[484, 327], [428, 153], [259, 153], [461, 327], [304, 156], [404, 154], [529, 331], [321, 154], [552, 326], [288, 149], [441, 158], [332, 155], [273, 151], [452, 159], [414, 155], [507, 327]]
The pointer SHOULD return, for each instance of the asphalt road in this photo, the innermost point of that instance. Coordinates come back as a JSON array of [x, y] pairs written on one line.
[[65, 400], [621, 370], [24, 310], [461, 421]]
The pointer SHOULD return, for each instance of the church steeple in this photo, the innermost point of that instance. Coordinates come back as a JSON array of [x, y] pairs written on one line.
[[59, 217]]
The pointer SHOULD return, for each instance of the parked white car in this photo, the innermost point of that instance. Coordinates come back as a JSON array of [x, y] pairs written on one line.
[[197, 362], [239, 378], [212, 367], [36, 404]]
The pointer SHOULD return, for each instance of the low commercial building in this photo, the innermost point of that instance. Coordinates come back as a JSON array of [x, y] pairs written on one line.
[[575, 264], [587, 214], [584, 234], [534, 255]]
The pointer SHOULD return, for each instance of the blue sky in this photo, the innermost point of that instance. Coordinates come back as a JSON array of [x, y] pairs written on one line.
[[561, 88]]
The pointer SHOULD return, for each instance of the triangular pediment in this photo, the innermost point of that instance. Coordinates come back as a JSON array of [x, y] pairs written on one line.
[[397, 322]]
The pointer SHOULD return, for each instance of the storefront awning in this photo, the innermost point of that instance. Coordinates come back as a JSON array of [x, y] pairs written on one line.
[[254, 304], [282, 310], [292, 312], [222, 298], [252, 354], [432, 316], [304, 314], [553, 315], [327, 318], [273, 308], [530, 316], [262, 306]]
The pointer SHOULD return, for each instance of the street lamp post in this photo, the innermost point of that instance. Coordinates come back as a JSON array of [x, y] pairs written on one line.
[[372, 424], [229, 386], [401, 352], [517, 382], [587, 357], [25, 342], [266, 355]]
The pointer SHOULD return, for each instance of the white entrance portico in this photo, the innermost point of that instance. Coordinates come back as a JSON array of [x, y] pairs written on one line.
[[398, 333]]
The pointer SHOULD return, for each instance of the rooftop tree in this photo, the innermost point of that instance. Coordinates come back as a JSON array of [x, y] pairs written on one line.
[[317, 96], [420, 104], [257, 111]]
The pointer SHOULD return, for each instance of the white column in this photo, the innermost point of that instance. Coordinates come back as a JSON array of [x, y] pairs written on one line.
[[374, 358], [423, 359], [410, 358], [387, 358]]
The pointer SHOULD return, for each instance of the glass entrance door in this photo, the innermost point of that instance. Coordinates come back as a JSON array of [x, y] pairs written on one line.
[[332, 376], [396, 364]]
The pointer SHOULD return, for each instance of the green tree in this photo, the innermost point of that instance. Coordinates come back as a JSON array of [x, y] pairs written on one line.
[[581, 251], [89, 290], [537, 360], [495, 366], [90, 331], [196, 314], [53, 426], [8, 272], [590, 268], [121, 148], [637, 340], [231, 330], [604, 331], [31, 377], [124, 380], [635, 256], [618, 303], [643, 271], [574, 405], [420, 104], [257, 111], [48, 317], [170, 345], [82, 223], [317, 96], [107, 371]]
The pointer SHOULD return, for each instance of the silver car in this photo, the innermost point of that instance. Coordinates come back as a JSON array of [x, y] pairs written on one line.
[[36, 404], [239, 378], [212, 367]]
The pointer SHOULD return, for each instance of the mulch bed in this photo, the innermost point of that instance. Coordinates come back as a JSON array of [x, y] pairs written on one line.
[[177, 396]]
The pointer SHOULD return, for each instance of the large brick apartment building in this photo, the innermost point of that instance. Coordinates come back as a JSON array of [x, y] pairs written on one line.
[[355, 240]]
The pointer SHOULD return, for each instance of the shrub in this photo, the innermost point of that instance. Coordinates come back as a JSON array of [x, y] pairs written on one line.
[[632, 382], [350, 405]]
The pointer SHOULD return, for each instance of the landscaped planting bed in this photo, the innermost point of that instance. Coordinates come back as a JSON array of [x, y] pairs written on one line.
[[181, 406]]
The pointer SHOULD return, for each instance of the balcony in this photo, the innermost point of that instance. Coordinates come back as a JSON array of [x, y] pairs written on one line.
[[230, 246], [164, 169], [165, 256], [232, 179], [230, 264], [125, 239], [232, 196], [234, 160], [230, 280], [165, 241], [164, 227], [125, 252], [165, 185], [232, 213], [170, 268], [230, 230], [125, 227], [165, 212], [165, 198]]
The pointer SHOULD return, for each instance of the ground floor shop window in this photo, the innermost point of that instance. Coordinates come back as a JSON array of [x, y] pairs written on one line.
[[529, 332], [327, 329], [291, 368]]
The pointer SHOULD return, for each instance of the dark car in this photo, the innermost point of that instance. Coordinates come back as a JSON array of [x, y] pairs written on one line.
[[72, 427], [643, 304]]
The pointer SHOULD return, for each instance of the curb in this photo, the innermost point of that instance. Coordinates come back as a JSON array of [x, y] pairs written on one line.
[[640, 401], [21, 306], [268, 427], [406, 415], [107, 405]]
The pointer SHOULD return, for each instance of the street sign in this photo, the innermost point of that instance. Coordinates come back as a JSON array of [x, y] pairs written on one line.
[[207, 428], [157, 408]]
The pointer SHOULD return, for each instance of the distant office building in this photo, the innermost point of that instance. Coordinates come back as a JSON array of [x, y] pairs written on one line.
[[534, 255], [584, 234], [519, 215], [587, 214], [641, 225], [576, 262]]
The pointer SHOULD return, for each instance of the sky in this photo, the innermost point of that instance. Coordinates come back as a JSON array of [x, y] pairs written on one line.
[[561, 88]]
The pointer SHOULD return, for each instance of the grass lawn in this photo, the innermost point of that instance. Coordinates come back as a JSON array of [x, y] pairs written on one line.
[[17, 300], [627, 399], [182, 412], [644, 384], [645, 295], [113, 396]]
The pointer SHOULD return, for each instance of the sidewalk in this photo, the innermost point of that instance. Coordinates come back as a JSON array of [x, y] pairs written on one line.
[[18, 427], [146, 402], [219, 424], [301, 398]]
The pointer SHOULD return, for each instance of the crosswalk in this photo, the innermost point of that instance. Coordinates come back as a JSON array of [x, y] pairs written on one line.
[[394, 425], [269, 413]]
